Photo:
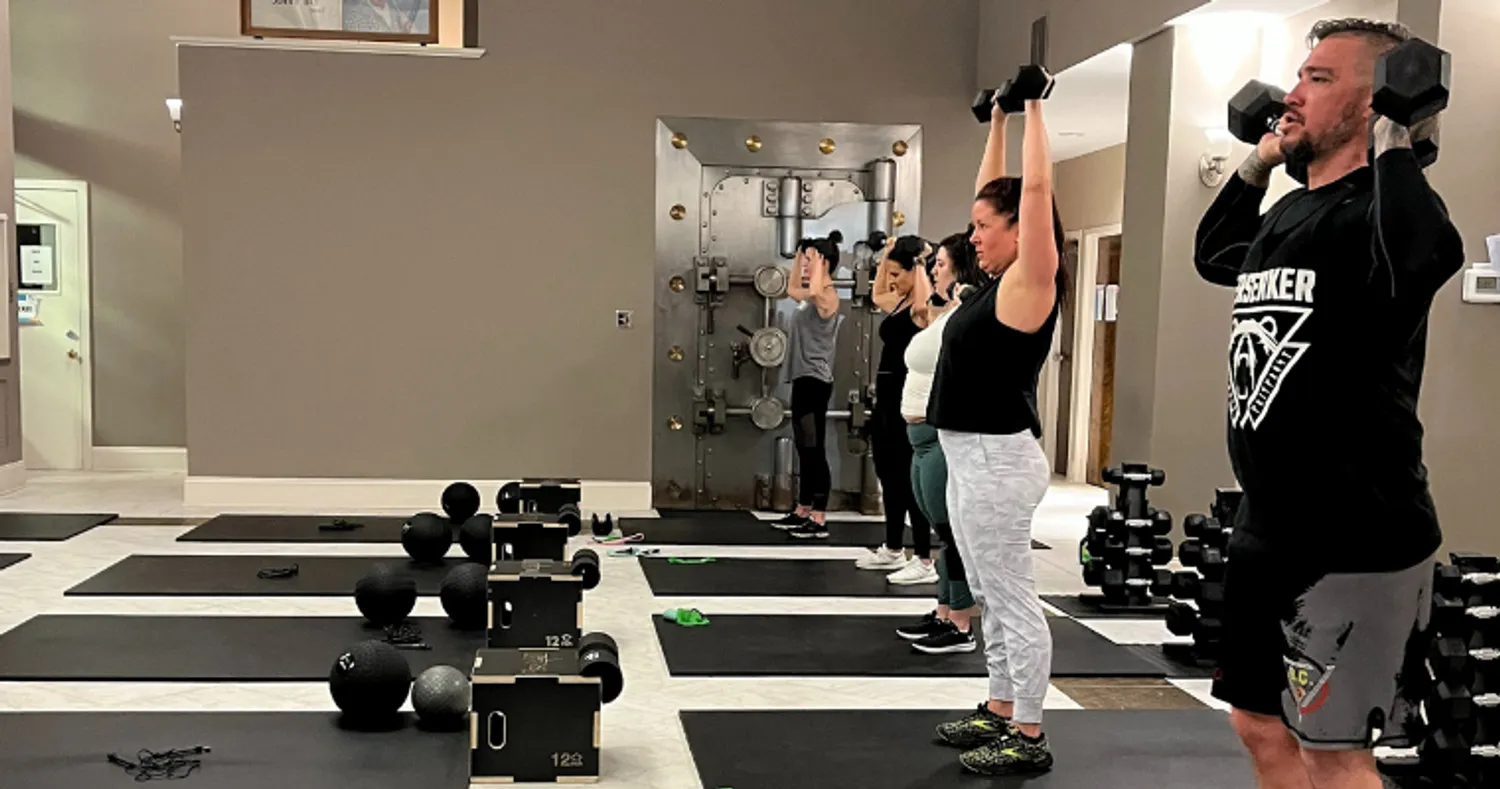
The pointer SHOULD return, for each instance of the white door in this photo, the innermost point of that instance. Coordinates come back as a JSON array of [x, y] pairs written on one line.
[[52, 303]]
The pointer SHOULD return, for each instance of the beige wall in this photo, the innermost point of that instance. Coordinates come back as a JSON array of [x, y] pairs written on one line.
[[1173, 328], [1091, 189], [91, 80], [10, 385], [1462, 386], [1077, 29], [409, 266]]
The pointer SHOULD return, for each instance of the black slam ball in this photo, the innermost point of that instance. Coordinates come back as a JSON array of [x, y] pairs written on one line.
[[385, 595], [464, 595], [460, 501], [370, 681], [440, 696], [475, 537], [426, 537]]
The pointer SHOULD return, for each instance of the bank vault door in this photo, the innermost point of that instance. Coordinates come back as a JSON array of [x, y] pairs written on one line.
[[733, 199]]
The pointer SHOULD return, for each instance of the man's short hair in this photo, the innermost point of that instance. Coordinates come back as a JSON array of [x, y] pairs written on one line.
[[1380, 35]]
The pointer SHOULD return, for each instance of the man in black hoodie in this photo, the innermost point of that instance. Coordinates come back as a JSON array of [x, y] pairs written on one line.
[[1331, 562]]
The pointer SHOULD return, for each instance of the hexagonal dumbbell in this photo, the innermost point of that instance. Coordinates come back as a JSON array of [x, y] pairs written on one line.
[[1161, 522], [1190, 552], [1192, 525], [1181, 619], [1186, 585], [1255, 111], [1412, 82]]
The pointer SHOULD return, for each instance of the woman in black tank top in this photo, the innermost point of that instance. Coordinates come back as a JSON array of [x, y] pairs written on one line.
[[892, 292], [983, 405]]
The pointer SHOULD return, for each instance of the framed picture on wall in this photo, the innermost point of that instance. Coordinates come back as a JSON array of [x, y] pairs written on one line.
[[409, 21]]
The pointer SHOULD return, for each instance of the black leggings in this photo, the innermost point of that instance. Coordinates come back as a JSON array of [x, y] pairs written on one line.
[[893, 455], [809, 420]]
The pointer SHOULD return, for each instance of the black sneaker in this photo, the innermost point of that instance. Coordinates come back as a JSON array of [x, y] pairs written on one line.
[[977, 728], [928, 625], [791, 521], [949, 640], [810, 530], [1017, 755]]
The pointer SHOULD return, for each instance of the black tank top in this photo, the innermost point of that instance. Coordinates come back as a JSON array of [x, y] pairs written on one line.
[[896, 332], [987, 373]]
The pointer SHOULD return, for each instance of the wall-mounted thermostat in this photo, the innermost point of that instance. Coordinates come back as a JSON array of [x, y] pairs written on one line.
[[1482, 280]]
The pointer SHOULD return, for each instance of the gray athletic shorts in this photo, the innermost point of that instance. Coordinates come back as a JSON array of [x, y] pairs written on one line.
[[1329, 658]]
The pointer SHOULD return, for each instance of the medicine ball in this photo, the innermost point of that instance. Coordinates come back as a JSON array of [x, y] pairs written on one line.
[[460, 501], [464, 595], [475, 537], [441, 696], [426, 537], [370, 680], [385, 595]]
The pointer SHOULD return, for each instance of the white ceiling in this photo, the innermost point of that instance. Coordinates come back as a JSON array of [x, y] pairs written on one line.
[[1089, 107]]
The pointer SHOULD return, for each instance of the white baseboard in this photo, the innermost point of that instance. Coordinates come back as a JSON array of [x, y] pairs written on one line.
[[12, 477], [140, 459], [341, 495]]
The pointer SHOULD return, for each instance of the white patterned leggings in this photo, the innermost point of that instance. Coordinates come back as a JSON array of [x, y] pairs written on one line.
[[994, 486]]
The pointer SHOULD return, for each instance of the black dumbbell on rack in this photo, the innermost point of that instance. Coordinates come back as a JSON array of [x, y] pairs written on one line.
[[1461, 744], [1126, 545], [1197, 608]]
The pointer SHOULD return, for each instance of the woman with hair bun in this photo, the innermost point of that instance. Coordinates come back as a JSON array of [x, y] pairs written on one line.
[[813, 335]]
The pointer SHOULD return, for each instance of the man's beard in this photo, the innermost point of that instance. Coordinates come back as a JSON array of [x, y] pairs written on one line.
[[1311, 148]]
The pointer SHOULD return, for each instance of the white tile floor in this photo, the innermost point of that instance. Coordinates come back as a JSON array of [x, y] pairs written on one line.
[[644, 745]]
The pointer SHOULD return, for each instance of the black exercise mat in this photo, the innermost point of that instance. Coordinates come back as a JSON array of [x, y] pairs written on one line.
[[773, 578], [48, 527], [235, 575], [740, 645], [207, 648], [716, 517], [893, 749], [249, 750], [710, 531], [1089, 607], [8, 559], [295, 528], [1176, 660]]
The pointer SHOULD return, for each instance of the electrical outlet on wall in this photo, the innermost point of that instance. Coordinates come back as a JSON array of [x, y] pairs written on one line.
[[624, 319]]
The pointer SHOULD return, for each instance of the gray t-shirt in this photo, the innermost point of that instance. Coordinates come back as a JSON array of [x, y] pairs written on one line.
[[813, 340]]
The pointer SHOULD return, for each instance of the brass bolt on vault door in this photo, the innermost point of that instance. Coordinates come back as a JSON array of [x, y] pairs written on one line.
[[900, 148], [676, 284], [678, 212], [753, 144], [674, 424], [679, 140], [827, 145], [675, 353]]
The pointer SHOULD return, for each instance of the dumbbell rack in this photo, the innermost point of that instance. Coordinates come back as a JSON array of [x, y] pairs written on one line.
[[1197, 607], [1461, 744], [1126, 545]]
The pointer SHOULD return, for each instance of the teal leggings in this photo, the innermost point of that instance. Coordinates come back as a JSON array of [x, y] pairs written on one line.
[[929, 484]]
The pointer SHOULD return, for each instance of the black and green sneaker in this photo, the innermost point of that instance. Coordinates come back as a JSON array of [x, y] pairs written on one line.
[[975, 729], [1015, 755]]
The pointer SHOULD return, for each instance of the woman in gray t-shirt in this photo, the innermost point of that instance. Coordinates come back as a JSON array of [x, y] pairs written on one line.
[[814, 333]]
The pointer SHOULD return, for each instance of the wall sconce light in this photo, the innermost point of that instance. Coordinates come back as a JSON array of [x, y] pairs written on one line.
[[174, 109], [1211, 165]]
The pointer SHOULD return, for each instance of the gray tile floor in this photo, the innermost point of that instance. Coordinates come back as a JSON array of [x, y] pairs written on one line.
[[644, 744]]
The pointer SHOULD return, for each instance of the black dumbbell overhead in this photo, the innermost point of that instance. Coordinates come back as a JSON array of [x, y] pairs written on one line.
[[1412, 82], [1031, 83], [1255, 111]]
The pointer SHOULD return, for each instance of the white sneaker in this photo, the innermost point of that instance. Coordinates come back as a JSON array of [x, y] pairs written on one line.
[[881, 558], [915, 572]]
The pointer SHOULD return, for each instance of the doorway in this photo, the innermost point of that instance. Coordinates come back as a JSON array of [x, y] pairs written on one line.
[[53, 318], [1091, 428], [1058, 377]]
